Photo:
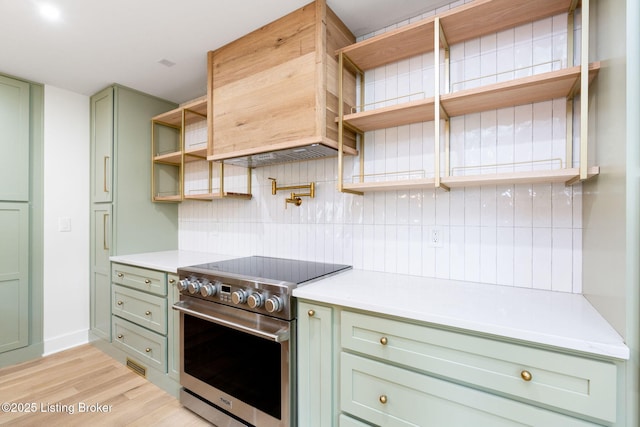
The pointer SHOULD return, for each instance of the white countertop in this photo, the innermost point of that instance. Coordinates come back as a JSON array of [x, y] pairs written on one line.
[[543, 317], [550, 318], [169, 261]]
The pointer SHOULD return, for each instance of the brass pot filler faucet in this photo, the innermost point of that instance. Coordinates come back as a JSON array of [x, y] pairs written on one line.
[[295, 198]]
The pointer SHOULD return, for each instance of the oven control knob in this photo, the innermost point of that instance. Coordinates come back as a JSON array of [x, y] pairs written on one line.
[[207, 290], [273, 304], [183, 284], [255, 300], [239, 297], [194, 286]]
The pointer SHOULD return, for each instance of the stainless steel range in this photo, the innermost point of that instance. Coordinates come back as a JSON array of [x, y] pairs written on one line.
[[237, 338]]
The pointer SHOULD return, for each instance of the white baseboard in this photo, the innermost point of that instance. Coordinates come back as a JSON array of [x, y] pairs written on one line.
[[64, 342]]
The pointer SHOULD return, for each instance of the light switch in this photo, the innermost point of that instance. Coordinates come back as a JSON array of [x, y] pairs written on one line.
[[64, 223]]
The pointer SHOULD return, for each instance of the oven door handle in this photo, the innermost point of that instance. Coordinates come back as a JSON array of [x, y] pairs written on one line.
[[281, 335]]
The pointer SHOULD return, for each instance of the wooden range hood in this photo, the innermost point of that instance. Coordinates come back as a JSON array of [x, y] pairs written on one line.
[[273, 94]]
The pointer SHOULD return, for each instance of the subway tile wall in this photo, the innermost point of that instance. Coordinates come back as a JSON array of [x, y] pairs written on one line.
[[514, 235]]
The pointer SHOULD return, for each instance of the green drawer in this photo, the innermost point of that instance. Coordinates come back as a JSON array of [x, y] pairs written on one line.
[[390, 396], [146, 346], [566, 382], [139, 278], [144, 309], [346, 421]]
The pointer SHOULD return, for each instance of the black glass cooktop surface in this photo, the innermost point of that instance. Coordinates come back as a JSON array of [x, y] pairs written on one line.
[[278, 269]]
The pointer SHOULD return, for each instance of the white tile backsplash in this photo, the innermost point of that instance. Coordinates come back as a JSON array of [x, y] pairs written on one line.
[[514, 235]]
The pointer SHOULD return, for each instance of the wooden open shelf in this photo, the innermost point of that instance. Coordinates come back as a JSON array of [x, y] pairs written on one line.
[[215, 196], [540, 87], [173, 198], [174, 158], [396, 115], [462, 23], [174, 117], [195, 154], [407, 184], [565, 176]]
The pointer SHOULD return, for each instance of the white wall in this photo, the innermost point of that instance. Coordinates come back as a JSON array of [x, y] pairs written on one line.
[[66, 195], [515, 235]]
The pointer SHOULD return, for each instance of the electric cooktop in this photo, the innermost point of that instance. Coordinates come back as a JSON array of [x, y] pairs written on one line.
[[272, 269]]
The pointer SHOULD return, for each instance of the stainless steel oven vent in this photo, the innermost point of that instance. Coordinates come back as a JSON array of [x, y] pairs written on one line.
[[137, 368], [306, 152]]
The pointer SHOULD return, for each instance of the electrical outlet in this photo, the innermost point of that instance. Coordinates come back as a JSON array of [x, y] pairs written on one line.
[[435, 237]]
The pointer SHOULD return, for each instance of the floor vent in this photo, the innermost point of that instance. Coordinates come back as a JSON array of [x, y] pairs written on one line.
[[137, 368]]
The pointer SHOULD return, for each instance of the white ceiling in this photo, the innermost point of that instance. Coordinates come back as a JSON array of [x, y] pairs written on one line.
[[99, 42]]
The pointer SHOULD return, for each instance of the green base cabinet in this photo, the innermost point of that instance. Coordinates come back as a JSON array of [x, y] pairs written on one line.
[[315, 366], [140, 314], [385, 395], [359, 368]]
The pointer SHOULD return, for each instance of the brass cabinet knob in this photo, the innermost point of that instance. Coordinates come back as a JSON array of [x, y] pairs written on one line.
[[148, 350], [383, 341], [383, 399], [172, 281], [311, 313], [526, 375], [120, 303], [120, 275], [147, 281], [120, 336], [148, 313]]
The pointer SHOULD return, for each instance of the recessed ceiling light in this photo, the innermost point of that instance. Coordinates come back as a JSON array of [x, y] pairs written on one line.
[[49, 11]]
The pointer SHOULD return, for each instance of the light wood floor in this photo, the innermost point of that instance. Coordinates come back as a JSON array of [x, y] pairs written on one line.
[[85, 376]]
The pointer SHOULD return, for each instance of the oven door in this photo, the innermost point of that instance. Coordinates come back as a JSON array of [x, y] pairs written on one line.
[[242, 363]]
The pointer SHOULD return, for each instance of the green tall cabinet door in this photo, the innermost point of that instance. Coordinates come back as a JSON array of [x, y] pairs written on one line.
[[100, 294], [14, 276], [124, 220], [102, 146], [14, 140]]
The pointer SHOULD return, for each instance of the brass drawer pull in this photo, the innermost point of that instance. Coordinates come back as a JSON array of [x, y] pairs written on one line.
[[148, 350], [383, 399], [120, 303], [526, 375], [120, 275], [311, 313], [148, 313], [147, 281], [384, 341], [120, 336]]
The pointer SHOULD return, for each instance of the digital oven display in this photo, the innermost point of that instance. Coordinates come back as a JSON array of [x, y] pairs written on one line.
[[225, 289]]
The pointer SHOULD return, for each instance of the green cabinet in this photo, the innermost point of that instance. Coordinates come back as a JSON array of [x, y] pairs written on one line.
[[315, 365], [14, 139], [173, 319], [387, 395], [124, 220], [139, 314], [100, 292], [359, 368], [14, 276], [102, 146], [21, 219]]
